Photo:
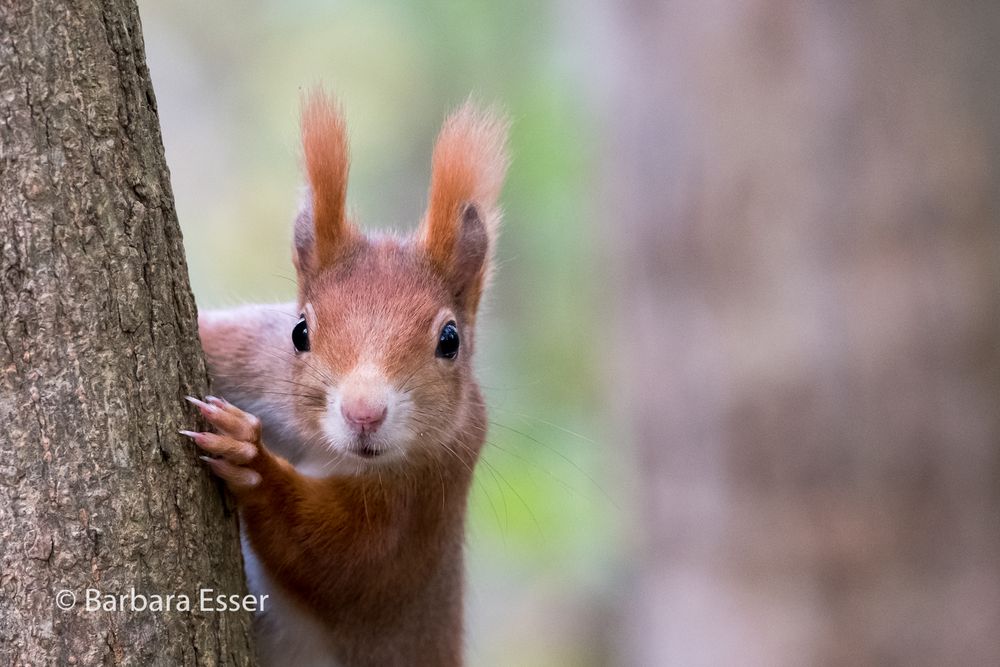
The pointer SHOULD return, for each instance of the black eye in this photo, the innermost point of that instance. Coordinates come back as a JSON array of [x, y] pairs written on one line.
[[300, 335], [448, 342]]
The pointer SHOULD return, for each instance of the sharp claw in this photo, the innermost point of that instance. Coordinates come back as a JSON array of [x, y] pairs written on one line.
[[205, 408], [235, 476], [191, 434]]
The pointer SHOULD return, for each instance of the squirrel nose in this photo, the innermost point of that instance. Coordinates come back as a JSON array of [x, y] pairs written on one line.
[[363, 415]]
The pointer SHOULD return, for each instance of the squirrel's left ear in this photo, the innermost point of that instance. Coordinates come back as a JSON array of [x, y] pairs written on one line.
[[462, 220]]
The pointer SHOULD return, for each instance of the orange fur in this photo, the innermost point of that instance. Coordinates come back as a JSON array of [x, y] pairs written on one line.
[[374, 555], [375, 558], [468, 167], [325, 149]]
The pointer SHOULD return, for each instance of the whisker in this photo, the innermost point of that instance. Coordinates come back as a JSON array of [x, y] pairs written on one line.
[[563, 457], [503, 497], [364, 500], [547, 423], [493, 471], [317, 373], [531, 513], [403, 385], [486, 492], [258, 376], [534, 464], [283, 276], [318, 398], [312, 395]]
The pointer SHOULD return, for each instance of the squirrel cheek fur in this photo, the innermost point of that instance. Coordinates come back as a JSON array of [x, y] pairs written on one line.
[[351, 459]]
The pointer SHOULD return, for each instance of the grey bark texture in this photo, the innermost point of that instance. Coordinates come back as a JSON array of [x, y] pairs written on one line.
[[806, 198], [98, 346]]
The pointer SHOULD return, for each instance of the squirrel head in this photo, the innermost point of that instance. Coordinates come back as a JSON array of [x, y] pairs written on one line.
[[386, 331]]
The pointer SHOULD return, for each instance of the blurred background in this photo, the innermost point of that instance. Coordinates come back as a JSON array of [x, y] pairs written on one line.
[[742, 349]]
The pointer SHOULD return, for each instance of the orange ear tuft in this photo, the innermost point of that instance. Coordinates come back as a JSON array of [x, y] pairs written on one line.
[[469, 165], [324, 145], [470, 161]]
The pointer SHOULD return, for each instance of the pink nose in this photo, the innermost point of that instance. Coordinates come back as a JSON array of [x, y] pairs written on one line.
[[363, 415]]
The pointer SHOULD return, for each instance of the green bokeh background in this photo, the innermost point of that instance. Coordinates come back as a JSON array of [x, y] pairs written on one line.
[[547, 525]]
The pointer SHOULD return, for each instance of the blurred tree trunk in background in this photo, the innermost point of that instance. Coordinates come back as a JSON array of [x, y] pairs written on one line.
[[805, 197], [98, 345]]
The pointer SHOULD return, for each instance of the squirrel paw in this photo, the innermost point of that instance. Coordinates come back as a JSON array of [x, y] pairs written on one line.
[[236, 449]]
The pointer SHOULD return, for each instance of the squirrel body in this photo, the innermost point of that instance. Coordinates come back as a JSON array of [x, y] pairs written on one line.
[[352, 421]]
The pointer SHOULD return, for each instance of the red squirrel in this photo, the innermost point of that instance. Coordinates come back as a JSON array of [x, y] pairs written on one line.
[[360, 421]]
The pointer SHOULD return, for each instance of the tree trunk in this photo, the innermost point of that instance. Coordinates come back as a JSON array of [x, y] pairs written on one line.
[[99, 346], [806, 196]]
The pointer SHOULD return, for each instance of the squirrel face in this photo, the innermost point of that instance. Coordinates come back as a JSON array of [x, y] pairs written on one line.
[[390, 349], [386, 331]]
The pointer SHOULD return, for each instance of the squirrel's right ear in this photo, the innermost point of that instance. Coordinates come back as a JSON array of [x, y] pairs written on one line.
[[460, 227], [322, 231]]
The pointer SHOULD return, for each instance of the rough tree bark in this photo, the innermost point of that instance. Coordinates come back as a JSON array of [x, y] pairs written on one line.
[[806, 195], [98, 345]]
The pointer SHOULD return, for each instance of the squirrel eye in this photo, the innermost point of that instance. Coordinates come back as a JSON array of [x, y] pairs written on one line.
[[448, 342], [300, 335]]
